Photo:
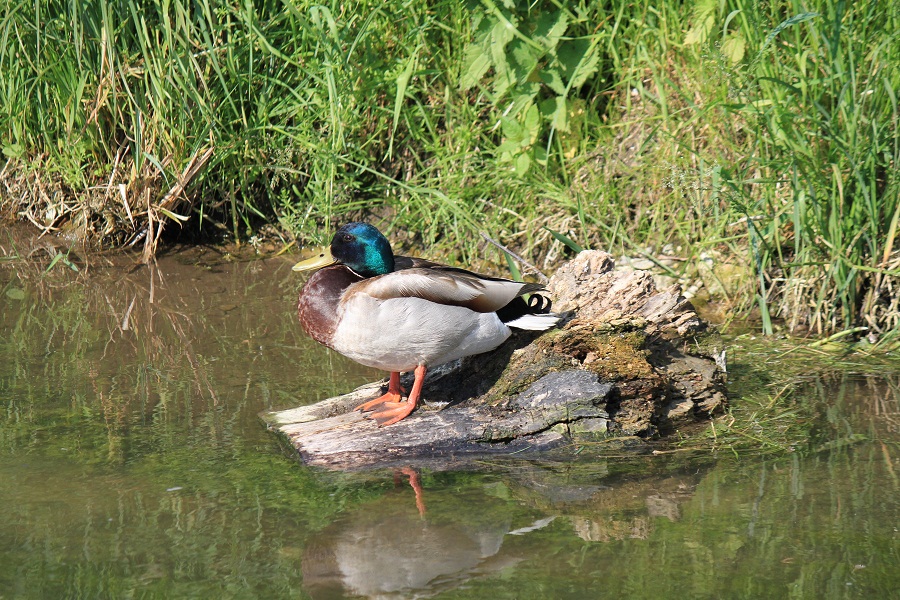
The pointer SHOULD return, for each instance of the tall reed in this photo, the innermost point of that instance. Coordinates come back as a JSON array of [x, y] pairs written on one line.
[[819, 185], [738, 132]]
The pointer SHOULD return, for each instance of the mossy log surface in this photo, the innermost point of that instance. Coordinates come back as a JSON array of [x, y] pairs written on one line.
[[627, 361]]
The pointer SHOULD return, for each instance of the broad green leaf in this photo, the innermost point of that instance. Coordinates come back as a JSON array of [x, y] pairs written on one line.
[[475, 66], [513, 131], [586, 68], [506, 157], [504, 79], [523, 163], [579, 60], [553, 79], [523, 99], [477, 56], [733, 48], [703, 17], [14, 151], [700, 31], [550, 28], [501, 34], [523, 59], [15, 294]]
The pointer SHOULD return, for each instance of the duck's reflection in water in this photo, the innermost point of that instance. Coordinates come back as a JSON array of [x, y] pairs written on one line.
[[386, 549], [458, 530]]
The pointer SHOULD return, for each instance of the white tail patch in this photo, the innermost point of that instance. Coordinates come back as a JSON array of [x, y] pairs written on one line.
[[535, 322]]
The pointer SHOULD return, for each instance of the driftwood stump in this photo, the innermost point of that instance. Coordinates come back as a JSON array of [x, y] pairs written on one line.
[[628, 360]]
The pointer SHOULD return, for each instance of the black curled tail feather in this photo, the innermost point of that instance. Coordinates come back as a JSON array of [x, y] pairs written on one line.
[[539, 305], [536, 305]]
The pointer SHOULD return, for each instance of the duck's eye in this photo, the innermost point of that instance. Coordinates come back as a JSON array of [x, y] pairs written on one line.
[[347, 237]]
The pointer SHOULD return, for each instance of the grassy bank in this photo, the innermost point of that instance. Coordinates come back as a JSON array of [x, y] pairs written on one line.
[[761, 138]]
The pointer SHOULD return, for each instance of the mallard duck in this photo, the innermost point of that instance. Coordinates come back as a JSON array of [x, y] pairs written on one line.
[[399, 313]]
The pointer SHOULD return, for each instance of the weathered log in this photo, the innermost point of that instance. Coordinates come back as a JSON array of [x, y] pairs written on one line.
[[628, 360]]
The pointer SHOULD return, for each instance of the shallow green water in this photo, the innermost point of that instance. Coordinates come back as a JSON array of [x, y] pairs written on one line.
[[132, 464]]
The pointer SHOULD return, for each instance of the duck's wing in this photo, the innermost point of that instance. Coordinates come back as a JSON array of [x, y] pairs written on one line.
[[413, 262], [447, 285]]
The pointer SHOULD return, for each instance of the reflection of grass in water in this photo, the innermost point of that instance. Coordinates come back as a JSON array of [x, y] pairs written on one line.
[[746, 528], [791, 398], [817, 526], [118, 389], [141, 348]]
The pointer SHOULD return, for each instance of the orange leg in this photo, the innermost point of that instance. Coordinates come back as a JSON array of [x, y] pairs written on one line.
[[389, 413], [393, 394]]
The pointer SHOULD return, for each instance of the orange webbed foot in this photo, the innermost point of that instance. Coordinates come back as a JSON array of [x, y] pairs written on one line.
[[393, 395], [389, 413], [373, 404]]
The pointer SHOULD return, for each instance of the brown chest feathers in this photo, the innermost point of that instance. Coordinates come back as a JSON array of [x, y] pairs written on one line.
[[317, 307]]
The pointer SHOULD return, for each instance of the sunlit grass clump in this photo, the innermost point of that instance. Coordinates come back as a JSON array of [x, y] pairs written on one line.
[[756, 142]]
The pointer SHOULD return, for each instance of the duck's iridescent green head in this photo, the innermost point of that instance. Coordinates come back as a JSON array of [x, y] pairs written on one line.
[[362, 248]]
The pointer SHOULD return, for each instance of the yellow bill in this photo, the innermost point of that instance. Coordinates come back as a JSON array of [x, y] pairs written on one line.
[[322, 258]]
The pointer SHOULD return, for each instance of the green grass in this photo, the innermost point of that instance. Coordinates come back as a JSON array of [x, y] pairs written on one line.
[[820, 97], [762, 136]]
